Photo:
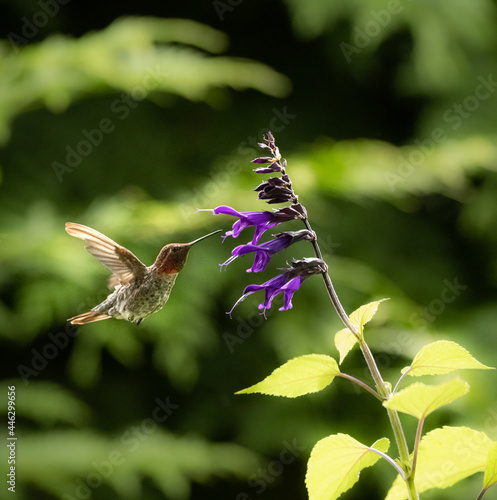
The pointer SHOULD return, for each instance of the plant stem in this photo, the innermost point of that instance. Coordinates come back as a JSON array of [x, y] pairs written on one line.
[[382, 388], [329, 286], [392, 462], [401, 379], [361, 384], [482, 492], [417, 440]]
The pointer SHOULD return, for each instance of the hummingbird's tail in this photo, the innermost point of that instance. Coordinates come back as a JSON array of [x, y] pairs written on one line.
[[88, 317]]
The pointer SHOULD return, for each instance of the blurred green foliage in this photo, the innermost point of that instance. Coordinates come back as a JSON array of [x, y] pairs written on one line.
[[392, 152]]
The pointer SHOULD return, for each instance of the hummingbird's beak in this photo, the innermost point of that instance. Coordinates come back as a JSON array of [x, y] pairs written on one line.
[[203, 237]]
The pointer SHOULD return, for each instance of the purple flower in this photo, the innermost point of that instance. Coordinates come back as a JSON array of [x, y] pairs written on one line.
[[261, 220], [264, 251], [283, 283], [287, 283]]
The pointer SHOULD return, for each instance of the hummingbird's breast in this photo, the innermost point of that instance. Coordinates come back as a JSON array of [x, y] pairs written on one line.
[[136, 301]]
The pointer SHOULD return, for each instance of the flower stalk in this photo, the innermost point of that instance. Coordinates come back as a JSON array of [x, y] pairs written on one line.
[[278, 189]]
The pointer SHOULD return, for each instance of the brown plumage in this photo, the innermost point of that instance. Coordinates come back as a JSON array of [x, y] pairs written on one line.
[[138, 290]]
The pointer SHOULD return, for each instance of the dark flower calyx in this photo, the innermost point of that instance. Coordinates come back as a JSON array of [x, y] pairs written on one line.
[[264, 159], [295, 211], [270, 168], [275, 194], [277, 190], [307, 267], [294, 236], [275, 181], [269, 140]]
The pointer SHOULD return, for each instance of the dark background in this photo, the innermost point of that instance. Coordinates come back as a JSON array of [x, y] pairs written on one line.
[[405, 94]]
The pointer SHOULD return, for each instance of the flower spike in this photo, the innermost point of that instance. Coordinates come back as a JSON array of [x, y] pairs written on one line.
[[276, 189]]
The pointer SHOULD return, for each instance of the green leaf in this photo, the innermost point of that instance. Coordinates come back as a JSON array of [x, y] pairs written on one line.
[[490, 477], [419, 400], [335, 464], [442, 357], [299, 376], [344, 341], [445, 457], [365, 313]]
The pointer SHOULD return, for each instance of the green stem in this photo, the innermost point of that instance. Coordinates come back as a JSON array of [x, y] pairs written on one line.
[[417, 440], [393, 416], [482, 492], [329, 286], [382, 388], [392, 462], [362, 384]]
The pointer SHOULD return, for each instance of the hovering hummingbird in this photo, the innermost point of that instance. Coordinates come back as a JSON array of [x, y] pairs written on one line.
[[138, 290]]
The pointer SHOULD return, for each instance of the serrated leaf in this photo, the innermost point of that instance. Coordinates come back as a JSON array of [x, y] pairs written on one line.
[[365, 313], [445, 457], [299, 376], [442, 357], [490, 477], [344, 341], [419, 400], [335, 464]]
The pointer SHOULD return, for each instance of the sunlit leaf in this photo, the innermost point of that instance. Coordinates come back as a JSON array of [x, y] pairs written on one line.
[[335, 464], [299, 376], [365, 313], [419, 400], [344, 341], [445, 457], [490, 477], [442, 357]]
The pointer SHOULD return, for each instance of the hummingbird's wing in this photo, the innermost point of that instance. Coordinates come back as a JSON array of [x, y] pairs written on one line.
[[124, 265]]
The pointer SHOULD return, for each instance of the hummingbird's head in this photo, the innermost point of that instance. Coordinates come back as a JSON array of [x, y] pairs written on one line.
[[172, 257]]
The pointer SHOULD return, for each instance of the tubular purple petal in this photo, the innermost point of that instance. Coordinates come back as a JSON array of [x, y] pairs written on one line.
[[283, 283], [264, 251], [261, 220], [288, 290]]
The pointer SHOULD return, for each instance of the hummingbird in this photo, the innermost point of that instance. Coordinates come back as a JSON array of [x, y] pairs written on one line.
[[138, 290]]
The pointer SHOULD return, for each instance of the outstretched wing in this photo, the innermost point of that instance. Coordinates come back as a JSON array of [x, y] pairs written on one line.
[[124, 265]]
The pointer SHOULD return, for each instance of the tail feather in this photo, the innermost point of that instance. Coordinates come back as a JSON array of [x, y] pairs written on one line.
[[88, 317]]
